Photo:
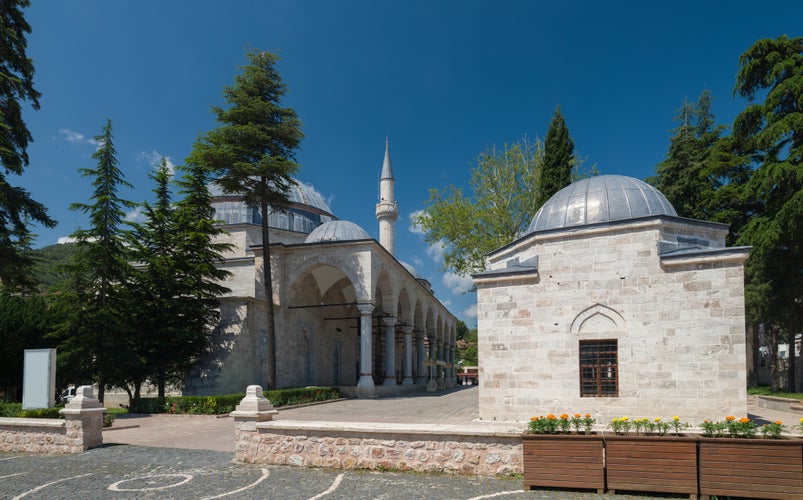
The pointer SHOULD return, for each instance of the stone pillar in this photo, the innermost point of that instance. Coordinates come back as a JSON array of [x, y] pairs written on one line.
[[421, 375], [253, 409], [432, 384], [390, 350], [451, 382], [84, 420], [441, 365], [407, 330], [365, 386]]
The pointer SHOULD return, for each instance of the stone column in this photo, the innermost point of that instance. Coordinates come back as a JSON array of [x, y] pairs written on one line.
[[390, 350], [421, 375], [452, 378], [432, 384], [84, 420], [441, 365], [365, 386], [407, 330]]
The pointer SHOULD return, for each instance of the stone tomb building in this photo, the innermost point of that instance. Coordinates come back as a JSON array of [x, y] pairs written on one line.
[[613, 305], [346, 312]]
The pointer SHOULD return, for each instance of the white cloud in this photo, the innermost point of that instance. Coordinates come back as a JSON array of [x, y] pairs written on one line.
[[416, 261], [135, 215], [77, 137], [154, 159], [435, 251], [471, 312], [413, 227], [456, 283], [65, 239]]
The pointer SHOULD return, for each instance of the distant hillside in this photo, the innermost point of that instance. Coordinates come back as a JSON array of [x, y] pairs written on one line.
[[47, 261]]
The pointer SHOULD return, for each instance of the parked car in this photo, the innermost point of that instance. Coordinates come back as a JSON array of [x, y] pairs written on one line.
[[67, 395]]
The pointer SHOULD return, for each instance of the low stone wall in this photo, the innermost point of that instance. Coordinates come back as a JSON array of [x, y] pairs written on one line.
[[477, 449], [80, 430], [421, 448]]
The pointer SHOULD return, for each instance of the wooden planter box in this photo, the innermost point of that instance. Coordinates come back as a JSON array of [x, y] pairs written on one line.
[[651, 463], [563, 461], [755, 468]]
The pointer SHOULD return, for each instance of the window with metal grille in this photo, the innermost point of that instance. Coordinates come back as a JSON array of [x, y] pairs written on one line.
[[599, 368]]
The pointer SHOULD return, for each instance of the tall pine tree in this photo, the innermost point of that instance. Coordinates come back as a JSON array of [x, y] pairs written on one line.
[[684, 176], [559, 160], [17, 208], [253, 153], [769, 135], [95, 332]]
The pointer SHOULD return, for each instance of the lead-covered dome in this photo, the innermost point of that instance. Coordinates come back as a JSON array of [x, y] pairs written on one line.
[[337, 230], [604, 198], [306, 211]]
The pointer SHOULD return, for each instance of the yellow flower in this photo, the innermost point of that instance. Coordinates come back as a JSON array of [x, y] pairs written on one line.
[[675, 418], [625, 419], [657, 419], [614, 420]]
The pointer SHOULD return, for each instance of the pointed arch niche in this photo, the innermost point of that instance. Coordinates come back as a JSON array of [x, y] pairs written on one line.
[[598, 319]]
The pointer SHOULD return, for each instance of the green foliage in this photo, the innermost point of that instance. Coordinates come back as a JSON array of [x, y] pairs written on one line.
[[686, 176], [559, 160], [468, 356], [40, 413], [10, 410], [218, 405], [766, 390], [24, 321], [48, 267], [497, 210], [108, 419], [93, 335], [17, 208], [253, 153], [769, 137]]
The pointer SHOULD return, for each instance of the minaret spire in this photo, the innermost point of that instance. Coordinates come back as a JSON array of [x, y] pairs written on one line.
[[387, 211]]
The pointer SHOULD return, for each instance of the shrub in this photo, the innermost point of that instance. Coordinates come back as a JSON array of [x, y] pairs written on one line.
[[10, 410], [40, 413]]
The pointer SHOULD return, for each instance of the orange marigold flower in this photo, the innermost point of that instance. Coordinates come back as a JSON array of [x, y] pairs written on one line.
[[576, 415], [730, 418], [744, 420], [778, 422], [588, 415], [564, 416], [551, 417]]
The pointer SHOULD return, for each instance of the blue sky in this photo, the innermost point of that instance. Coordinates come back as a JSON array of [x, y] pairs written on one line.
[[442, 79]]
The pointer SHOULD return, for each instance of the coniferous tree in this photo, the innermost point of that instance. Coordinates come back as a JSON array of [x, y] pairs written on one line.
[[685, 175], [769, 135], [17, 208], [23, 325], [94, 332], [253, 153], [559, 160]]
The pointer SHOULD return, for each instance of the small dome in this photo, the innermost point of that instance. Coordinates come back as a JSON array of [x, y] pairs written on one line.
[[337, 230], [411, 270], [604, 198]]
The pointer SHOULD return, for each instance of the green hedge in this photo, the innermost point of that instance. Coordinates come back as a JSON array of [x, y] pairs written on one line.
[[217, 405], [14, 410]]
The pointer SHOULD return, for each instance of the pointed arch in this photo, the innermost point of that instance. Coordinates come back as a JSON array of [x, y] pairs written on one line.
[[598, 318]]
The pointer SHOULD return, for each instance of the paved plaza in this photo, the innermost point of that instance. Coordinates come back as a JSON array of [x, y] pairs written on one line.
[[192, 457]]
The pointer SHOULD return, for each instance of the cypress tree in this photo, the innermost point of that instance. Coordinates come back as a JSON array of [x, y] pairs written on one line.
[[558, 160]]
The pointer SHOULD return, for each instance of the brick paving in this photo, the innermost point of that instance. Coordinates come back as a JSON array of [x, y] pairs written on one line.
[[192, 457]]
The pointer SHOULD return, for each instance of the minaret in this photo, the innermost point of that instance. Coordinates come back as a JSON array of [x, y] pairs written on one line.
[[387, 210]]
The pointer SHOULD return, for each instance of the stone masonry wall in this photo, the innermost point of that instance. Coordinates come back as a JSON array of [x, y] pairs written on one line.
[[680, 329], [42, 435], [396, 449]]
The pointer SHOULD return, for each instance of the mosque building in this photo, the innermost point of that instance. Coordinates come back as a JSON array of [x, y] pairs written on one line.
[[612, 305], [347, 313]]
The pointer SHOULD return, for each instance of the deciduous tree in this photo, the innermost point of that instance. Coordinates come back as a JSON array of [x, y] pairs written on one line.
[[498, 208]]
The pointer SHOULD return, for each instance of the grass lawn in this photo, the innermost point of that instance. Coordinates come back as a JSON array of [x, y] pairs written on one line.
[[766, 391]]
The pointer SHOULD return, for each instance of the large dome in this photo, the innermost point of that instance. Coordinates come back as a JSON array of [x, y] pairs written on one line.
[[337, 230], [307, 209], [604, 198]]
